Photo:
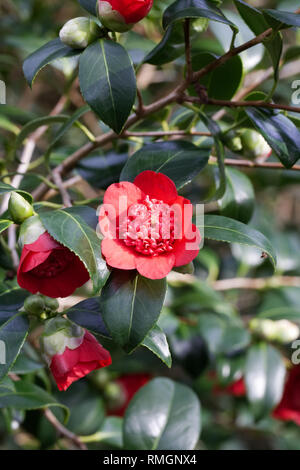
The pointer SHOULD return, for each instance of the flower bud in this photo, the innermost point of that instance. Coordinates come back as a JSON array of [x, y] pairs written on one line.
[[121, 15], [31, 230], [264, 327], [79, 32], [19, 208], [254, 145], [287, 331], [51, 304], [233, 142], [34, 305]]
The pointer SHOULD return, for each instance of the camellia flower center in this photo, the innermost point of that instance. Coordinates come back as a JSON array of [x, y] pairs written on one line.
[[57, 261], [149, 228]]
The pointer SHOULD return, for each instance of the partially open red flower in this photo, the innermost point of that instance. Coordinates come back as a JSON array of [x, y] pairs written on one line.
[[127, 11], [50, 268], [74, 364], [147, 226], [129, 385], [289, 407]]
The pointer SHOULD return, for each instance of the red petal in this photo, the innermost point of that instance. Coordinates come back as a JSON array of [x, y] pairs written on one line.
[[44, 243], [187, 249], [117, 255], [91, 349], [122, 194], [157, 186], [155, 267], [34, 259]]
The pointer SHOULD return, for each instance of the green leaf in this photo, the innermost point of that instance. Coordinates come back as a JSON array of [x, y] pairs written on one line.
[[69, 229], [88, 315], [13, 328], [109, 85], [215, 130], [4, 224], [89, 5], [7, 188], [280, 133], [224, 81], [28, 396], [157, 342], [281, 19], [257, 23], [181, 161], [170, 47], [111, 432], [35, 124], [239, 199], [131, 305], [52, 50], [264, 377], [163, 415], [193, 9], [68, 123], [224, 229]]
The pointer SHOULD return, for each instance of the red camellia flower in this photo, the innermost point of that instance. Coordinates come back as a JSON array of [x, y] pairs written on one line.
[[121, 15], [49, 268], [289, 407], [129, 385], [147, 226], [74, 364]]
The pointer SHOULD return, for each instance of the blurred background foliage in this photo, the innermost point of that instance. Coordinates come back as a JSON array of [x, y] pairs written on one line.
[[206, 319]]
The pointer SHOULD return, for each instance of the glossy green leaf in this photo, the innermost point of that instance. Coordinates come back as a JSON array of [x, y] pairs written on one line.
[[4, 224], [28, 396], [163, 415], [264, 377], [131, 305], [239, 198], [181, 161], [13, 328], [157, 342], [215, 130], [89, 5], [279, 131], [224, 81], [257, 23], [224, 229], [281, 19], [170, 47], [7, 188], [193, 9], [35, 124], [109, 85], [69, 229], [52, 50], [111, 432], [88, 315]]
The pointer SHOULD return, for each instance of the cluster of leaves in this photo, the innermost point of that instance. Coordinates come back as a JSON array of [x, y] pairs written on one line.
[[191, 323]]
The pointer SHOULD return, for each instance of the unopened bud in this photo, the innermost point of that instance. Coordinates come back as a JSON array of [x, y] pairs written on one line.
[[31, 230], [282, 331], [233, 142], [264, 327], [59, 334], [34, 305], [19, 208], [287, 331], [51, 304], [119, 16], [254, 145], [79, 32]]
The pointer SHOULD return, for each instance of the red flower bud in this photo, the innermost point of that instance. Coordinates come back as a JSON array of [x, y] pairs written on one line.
[[121, 15], [71, 352], [289, 407], [129, 385], [147, 226], [50, 268]]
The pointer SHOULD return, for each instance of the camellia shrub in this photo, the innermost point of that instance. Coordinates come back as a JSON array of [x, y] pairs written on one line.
[[149, 248]]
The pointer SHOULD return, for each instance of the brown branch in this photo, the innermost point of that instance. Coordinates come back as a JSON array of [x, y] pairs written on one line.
[[60, 428], [63, 191], [256, 284], [166, 133], [254, 164]]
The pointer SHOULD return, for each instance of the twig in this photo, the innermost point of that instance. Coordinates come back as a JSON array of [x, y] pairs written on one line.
[[63, 431], [255, 164], [140, 110], [63, 191], [166, 133]]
